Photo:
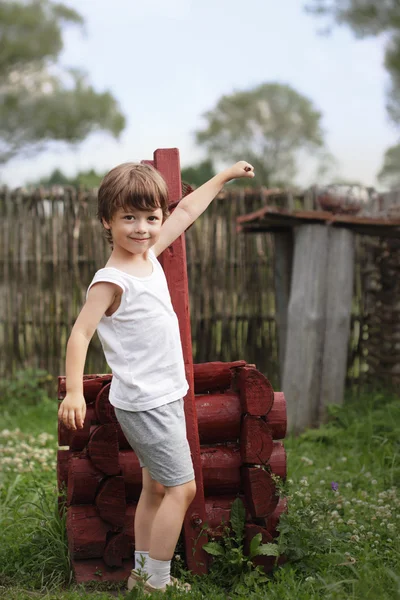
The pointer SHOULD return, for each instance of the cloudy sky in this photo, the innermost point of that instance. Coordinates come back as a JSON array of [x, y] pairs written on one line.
[[169, 61]]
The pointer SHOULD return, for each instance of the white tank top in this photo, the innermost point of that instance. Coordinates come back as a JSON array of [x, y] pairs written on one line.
[[141, 341]]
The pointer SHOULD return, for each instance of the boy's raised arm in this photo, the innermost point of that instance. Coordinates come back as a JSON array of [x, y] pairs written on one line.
[[73, 408], [193, 205]]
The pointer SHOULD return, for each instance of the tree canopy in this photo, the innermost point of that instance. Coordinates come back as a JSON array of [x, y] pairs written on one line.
[[198, 174], [88, 179], [268, 126], [389, 175], [39, 100], [370, 18]]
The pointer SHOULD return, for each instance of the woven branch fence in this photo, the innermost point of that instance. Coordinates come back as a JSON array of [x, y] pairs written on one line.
[[52, 244]]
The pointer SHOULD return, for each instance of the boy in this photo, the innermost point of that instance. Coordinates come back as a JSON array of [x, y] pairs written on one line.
[[128, 302]]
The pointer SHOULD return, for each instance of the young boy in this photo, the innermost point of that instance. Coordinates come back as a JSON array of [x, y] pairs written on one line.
[[129, 303]]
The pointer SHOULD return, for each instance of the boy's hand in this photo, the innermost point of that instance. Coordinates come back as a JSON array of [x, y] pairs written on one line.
[[72, 411], [240, 169]]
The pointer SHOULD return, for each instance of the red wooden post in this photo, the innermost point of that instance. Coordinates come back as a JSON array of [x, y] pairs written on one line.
[[173, 260]]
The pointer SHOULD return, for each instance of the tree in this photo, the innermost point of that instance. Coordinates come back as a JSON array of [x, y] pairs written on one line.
[[87, 179], [371, 18], [198, 174], [39, 101], [268, 126], [389, 175]]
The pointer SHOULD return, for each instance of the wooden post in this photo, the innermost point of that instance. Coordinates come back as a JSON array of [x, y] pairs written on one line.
[[318, 323], [283, 262], [173, 260], [339, 294], [306, 327]]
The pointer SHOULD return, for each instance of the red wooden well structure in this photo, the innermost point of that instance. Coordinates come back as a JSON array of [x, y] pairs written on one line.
[[235, 422]]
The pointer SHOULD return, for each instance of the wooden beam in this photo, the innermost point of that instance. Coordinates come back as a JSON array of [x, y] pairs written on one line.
[[306, 327]]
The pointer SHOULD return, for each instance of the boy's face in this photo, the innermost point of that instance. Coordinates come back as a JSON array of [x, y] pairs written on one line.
[[135, 230]]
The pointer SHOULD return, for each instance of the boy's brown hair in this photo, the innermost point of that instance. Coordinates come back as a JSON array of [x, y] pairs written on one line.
[[131, 185]]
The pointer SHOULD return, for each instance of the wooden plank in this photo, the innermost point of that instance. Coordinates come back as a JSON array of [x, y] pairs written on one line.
[[173, 260], [282, 214], [339, 294], [306, 327]]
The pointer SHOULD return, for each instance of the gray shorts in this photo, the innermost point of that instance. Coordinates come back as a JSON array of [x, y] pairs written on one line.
[[158, 437]]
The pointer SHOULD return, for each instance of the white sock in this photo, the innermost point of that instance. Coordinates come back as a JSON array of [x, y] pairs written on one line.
[[159, 571], [141, 558]]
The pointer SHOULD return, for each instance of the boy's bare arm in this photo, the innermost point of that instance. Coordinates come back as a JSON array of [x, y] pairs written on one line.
[[193, 205], [73, 408]]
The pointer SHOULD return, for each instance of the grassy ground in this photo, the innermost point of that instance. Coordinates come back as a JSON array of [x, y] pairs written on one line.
[[341, 535]]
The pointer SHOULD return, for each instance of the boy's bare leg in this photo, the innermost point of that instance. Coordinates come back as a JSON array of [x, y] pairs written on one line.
[[167, 523], [150, 500]]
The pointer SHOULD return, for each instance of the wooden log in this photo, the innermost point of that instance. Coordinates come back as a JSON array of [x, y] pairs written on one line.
[[121, 546], [83, 481], [221, 469], [89, 536], [306, 327], [132, 474], [62, 470], [118, 548], [339, 294], [272, 521], [218, 417], [87, 532], [214, 376], [256, 442], [77, 440], [218, 511], [95, 569], [260, 491], [277, 461], [104, 410], [92, 384], [111, 501], [103, 449], [255, 392], [276, 418], [266, 562]]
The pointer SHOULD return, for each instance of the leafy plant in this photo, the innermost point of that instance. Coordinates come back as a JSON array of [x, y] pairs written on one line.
[[230, 561], [42, 558]]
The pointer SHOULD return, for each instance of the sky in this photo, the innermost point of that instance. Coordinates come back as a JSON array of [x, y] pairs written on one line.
[[167, 62]]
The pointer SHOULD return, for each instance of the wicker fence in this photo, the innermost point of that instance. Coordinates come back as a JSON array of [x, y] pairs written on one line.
[[52, 244]]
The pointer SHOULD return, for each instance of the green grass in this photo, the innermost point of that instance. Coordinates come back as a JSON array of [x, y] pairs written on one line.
[[340, 545]]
